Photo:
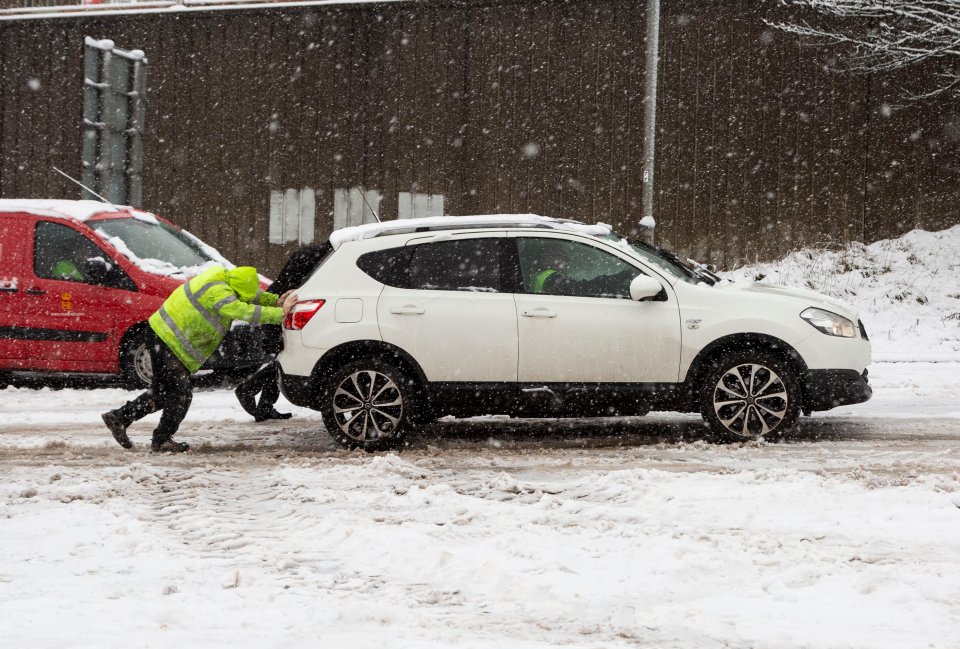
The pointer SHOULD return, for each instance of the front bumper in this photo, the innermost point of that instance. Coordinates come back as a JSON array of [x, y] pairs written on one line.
[[826, 389]]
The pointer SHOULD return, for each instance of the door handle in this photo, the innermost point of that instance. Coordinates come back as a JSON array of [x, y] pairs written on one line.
[[408, 309], [33, 290], [538, 313]]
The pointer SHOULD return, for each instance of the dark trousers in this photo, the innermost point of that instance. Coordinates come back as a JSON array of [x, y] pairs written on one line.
[[264, 381], [170, 391]]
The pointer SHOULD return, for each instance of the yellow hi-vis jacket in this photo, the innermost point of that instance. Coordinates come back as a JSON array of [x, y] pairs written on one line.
[[198, 314]]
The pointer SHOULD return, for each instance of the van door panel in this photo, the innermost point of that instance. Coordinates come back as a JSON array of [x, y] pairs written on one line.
[[13, 242], [72, 322]]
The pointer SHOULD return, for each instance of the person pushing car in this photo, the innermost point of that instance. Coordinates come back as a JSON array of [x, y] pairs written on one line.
[[184, 332], [294, 273]]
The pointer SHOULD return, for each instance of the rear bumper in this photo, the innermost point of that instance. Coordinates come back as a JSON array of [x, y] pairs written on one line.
[[298, 390], [826, 389]]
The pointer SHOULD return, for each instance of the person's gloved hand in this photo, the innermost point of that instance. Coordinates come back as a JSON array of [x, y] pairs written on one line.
[[289, 299]]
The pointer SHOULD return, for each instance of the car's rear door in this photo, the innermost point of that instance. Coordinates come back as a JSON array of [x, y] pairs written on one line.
[[448, 310], [588, 330]]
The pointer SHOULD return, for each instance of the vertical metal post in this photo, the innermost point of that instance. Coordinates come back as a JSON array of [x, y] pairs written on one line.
[[114, 108], [114, 105], [138, 109], [650, 114], [91, 119]]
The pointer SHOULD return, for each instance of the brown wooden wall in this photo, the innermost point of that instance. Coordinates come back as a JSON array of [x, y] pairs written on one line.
[[502, 106], [763, 146]]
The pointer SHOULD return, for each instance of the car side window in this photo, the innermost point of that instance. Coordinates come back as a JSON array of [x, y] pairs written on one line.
[[387, 266], [462, 265], [62, 253], [552, 266]]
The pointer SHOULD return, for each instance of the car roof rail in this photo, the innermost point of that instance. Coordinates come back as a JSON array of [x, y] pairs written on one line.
[[445, 223]]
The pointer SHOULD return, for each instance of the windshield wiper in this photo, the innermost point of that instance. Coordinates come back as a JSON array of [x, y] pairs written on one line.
[[684, 267]]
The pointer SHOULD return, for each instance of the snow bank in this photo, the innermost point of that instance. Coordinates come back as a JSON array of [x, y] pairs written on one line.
[[906, 289]]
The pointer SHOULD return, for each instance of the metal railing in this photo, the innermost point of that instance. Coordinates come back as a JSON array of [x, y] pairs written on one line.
[[71, 4], [54, 6]]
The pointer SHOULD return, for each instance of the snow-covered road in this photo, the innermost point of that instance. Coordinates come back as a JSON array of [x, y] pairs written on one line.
[[492, 533]]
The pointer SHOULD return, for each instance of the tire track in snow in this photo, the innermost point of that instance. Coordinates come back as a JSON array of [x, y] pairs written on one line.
[[239, 517]]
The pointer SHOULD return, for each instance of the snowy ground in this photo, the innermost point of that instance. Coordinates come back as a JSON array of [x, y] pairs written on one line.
[[494, 533], [501, 533]]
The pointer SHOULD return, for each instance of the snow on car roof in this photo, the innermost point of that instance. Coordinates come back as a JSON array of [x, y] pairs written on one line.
[[426, 224], [66, 209]]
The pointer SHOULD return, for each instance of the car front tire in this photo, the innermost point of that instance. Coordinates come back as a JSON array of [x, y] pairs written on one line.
[[370, 404], [136, 368], [748, 395]]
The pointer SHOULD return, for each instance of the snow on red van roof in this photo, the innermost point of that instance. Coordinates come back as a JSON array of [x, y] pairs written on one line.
[[76, 210]]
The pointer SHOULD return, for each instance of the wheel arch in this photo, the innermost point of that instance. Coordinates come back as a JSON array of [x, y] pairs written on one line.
[[737, 342], [356, 349], [359, 349]]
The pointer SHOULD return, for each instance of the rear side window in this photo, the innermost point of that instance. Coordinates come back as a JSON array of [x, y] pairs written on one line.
[[387, 266], [463, 265]]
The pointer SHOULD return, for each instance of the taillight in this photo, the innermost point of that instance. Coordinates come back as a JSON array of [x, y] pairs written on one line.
[[298, 317]]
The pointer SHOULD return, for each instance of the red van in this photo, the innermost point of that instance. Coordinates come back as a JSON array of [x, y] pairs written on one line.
[[78, 280]]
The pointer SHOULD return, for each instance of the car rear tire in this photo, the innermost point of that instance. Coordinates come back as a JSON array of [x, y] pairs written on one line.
[[370, 404], [136, 368], [749, 395]]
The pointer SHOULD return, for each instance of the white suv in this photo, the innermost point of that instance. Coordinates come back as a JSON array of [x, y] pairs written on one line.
[[406, 321]]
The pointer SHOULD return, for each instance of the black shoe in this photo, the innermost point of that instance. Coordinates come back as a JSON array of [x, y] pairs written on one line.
[[118, 427], [169, 446], [272, 414], [247, 399]]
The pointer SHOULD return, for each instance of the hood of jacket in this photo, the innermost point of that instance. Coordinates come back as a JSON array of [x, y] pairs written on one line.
[[244, 281]]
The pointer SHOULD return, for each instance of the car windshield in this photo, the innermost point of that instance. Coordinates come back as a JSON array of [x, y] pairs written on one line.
[[665, 260], [148, 240]]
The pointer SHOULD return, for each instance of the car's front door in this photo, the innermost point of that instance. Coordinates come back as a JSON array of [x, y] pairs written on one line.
[[72, 314], [448, 310], [577, 323]]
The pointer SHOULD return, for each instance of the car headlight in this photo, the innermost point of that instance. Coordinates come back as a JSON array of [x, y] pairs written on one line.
[[829, 323]]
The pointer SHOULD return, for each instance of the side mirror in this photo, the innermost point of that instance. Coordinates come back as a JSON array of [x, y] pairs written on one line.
[[644, 287], [95, 268]]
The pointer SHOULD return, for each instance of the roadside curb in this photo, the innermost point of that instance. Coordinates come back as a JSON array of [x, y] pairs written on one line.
[[916, 358]]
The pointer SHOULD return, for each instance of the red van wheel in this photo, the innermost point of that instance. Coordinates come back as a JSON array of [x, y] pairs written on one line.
[[136, 369]]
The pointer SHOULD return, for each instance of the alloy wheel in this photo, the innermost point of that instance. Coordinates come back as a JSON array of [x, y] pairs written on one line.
[[750, 400], [368, 406]]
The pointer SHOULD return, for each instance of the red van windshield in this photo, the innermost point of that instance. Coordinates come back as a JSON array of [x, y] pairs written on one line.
[[153, 242]]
